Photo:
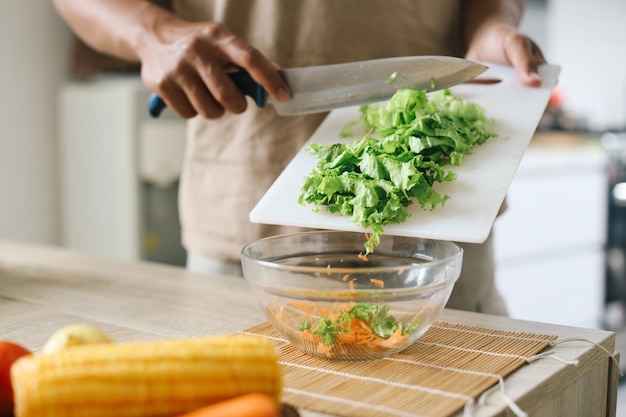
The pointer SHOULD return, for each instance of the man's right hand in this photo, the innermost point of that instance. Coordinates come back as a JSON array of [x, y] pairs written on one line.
[[187, 63]]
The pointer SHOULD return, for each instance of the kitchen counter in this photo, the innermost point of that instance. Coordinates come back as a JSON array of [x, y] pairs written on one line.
[[555, 151], [44, 288]]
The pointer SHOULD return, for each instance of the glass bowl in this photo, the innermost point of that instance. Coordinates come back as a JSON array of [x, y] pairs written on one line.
[[324, 296]]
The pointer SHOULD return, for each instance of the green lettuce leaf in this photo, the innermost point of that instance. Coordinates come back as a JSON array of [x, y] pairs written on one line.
[[411, 141]]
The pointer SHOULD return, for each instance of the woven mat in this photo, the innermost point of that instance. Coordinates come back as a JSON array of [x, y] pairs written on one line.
[[449, 366]]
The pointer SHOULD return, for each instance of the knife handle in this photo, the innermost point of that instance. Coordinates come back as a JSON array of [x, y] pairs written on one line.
[[242, 80]]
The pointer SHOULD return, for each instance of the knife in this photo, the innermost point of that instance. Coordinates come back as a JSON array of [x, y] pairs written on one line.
[[322, 88]]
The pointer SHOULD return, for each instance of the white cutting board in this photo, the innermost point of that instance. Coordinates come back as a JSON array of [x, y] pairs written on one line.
[[482, 179]]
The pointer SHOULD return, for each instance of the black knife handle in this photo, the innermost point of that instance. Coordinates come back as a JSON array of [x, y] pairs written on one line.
[[241, 79], [244, 82], [156, 105]]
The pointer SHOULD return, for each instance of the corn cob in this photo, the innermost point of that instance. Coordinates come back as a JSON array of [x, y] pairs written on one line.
[[152, 379]]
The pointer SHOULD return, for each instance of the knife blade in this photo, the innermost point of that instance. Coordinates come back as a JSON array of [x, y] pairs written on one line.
[[322, 88]]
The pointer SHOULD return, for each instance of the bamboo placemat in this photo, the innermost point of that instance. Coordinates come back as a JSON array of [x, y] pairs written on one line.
[[448, 367]]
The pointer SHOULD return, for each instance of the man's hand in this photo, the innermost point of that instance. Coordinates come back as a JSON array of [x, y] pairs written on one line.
[[184, 62], [187, 63], [502, 43]]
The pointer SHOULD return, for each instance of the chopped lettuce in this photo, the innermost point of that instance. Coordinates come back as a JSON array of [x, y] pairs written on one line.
[[412, 139]]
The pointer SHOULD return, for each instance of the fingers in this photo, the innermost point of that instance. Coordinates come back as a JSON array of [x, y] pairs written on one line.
[[187, 95], [525, 56], [258, 66], [191, 73], [503, 43], [190, 97]]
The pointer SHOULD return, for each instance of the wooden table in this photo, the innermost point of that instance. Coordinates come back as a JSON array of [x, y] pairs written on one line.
[[44, 288]]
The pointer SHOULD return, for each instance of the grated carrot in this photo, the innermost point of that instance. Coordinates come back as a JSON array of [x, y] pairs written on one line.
[[345, 277], [363, 257], [377, 283], [308, 337], [351, 284], [302, 306], [396, 337]]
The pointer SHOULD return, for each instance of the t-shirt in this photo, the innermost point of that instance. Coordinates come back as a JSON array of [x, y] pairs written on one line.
[[230, 162]]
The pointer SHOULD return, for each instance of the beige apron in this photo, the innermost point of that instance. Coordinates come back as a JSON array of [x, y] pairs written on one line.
[[232, 161]]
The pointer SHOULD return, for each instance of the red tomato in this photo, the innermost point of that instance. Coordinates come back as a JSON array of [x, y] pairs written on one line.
[[9, 353]]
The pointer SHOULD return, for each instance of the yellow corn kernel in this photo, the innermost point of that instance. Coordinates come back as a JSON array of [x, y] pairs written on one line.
[[149, 379]]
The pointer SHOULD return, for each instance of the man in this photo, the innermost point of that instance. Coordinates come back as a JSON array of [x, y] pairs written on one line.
[[235, 150]]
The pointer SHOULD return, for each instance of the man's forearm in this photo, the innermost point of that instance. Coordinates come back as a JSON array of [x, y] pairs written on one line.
[[115, 27]]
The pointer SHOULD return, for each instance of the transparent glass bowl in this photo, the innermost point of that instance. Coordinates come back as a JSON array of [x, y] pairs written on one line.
[[323, 296]]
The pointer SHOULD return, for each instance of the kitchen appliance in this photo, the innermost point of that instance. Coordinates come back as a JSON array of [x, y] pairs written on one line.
[[119, 171]]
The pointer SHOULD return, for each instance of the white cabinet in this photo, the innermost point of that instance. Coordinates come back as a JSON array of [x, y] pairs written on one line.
[[550, 241]]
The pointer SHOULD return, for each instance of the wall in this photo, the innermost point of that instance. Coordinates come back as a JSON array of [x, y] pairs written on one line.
[[588, 39], [34, 45]]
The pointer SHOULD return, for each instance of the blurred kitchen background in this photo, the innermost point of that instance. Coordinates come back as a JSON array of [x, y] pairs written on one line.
[[82, 164]]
